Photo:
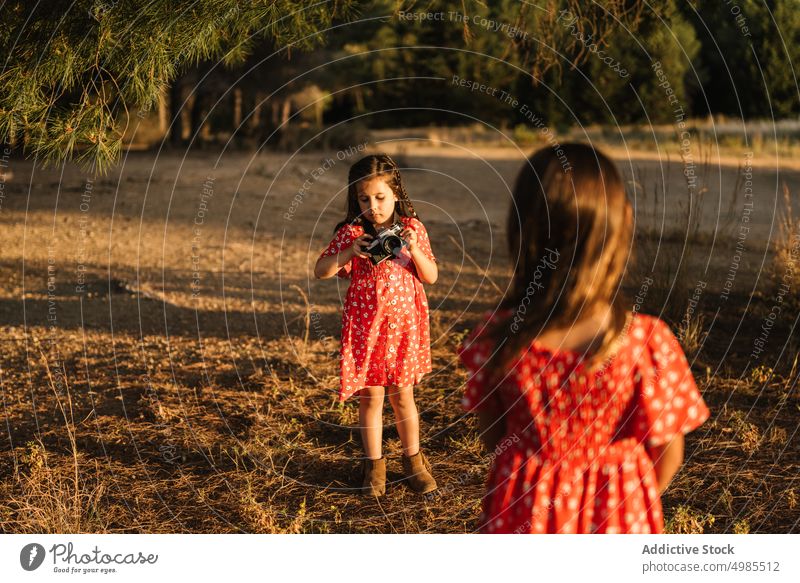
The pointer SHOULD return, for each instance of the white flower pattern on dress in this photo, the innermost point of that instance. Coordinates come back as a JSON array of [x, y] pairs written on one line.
[[579, 463], [385, 322]]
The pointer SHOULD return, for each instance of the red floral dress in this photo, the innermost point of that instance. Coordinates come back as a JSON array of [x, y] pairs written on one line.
[[574, 458], [385, 322]]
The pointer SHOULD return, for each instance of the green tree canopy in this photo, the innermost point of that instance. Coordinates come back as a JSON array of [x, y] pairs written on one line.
[[74, 70]]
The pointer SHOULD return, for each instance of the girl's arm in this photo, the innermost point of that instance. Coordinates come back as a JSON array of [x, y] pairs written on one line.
[[330, 265], [667, 459], [426, 268], [492, 429]]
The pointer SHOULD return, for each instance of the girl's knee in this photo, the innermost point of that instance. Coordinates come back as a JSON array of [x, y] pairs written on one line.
[[371, 395], [401, 396]]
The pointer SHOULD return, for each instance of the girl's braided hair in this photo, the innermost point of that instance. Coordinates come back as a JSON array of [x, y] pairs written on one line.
[[375, 166]]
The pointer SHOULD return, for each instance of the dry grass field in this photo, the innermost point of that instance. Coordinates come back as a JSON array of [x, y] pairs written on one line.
[[169, 362]]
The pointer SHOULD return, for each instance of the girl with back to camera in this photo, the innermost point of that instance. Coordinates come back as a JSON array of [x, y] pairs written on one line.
[[584, 402], [385, 346]]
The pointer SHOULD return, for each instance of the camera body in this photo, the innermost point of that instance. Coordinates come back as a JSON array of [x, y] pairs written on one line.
[[388, 243]]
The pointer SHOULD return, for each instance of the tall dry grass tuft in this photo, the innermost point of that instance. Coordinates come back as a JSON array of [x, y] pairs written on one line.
[[54, 498], [746, 433], [51, 497], [786, 249], [686, 520], [692, 334]]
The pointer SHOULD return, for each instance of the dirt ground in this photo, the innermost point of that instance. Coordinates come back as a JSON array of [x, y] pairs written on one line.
[[169, 362]]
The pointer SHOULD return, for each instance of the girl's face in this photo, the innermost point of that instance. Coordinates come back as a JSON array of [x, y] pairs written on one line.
[[376, 200]]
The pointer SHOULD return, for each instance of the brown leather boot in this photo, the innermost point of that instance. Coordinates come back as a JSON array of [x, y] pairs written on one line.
[[373, 473], [418, 473]]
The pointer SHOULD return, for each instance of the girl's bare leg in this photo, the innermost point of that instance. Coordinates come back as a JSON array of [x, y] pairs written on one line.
[[370, 420], [405, 413]]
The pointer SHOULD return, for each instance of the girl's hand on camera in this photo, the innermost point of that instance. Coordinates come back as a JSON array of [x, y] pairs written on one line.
[[359, 244], [410, 237]]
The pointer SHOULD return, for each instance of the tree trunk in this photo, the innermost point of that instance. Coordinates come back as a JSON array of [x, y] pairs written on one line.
[[319, 107], [255, 118], [195, 116], [205, 127], [359, 95], [201, 124], [163, 113], [285, 135], [286, 110], [275, 106], [237, 109]]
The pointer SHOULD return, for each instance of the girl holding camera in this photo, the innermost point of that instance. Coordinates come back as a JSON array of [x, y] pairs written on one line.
[[594, 397], [385, 343]]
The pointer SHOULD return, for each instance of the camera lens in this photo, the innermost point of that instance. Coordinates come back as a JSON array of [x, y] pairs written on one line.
[[392, 244]]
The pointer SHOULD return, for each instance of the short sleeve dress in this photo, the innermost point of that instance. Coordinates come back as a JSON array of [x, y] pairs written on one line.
[[385, 320], [575, 455]]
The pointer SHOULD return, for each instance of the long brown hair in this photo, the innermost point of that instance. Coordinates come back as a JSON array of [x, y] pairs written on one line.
[[569, 233], [375, 166]]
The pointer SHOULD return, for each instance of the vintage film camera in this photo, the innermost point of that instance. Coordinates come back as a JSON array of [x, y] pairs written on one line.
[[388, 243]]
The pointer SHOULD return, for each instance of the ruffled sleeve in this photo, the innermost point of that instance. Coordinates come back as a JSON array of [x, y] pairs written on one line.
[[668, 400], [423, 240], [474, 352], [342, 240]]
